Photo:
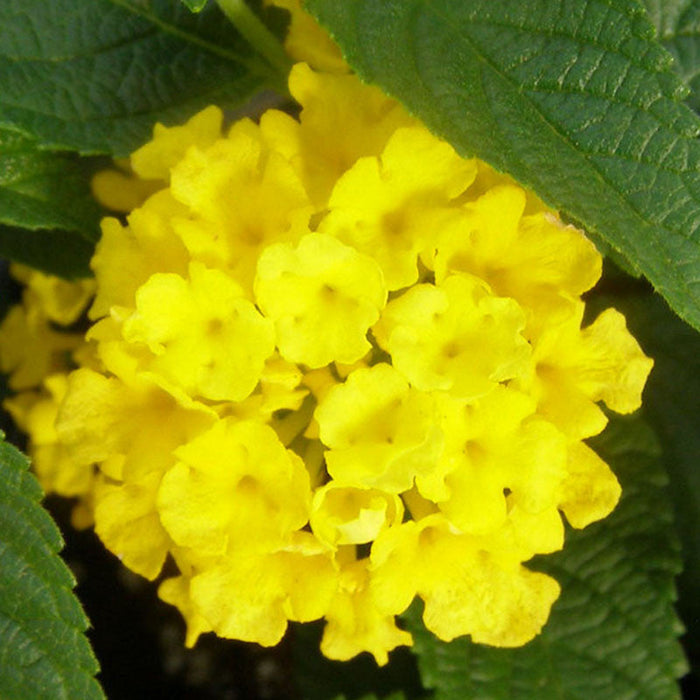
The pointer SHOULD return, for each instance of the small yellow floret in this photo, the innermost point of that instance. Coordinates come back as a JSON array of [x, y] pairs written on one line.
[[457, 337], [380, 431], [383, 206], [323, 297], [203, 334]]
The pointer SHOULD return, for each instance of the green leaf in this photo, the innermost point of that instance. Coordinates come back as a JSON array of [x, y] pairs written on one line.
[[94, 75], [574, 98], [195, 5], [62, 253], [677, 24], [43, 190], [672, 406], [613, 632], [43, 650]]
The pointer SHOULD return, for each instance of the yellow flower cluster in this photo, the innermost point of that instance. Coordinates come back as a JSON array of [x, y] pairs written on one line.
[[333, 366]]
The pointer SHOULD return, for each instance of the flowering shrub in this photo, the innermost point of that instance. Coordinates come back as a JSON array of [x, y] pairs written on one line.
[[332, 366]]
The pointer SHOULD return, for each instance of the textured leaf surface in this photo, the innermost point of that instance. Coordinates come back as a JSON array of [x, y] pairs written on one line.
[[677, 24], [574, 98], [43, 650], [43, 190], [672, 405], [613, 632], [94, 75]]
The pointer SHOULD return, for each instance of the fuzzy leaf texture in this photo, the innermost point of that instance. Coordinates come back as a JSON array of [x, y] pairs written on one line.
[[102, 72], [48, 218], [43, 649], [574, 98], [43, 190], [613, 632], [677, 24], [672, 406]]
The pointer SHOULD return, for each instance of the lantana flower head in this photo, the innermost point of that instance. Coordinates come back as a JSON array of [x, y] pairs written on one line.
[[333, 366]]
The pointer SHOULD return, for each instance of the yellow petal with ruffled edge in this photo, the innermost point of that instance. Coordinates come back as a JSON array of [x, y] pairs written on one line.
[[234, 479], [466, 590], [456, 337], [380, 431], [384, 206], [170, 143], [323, 297], [203, 334], [355, 623], [331, 104], [351, 515], [590, 490], [127, 521]]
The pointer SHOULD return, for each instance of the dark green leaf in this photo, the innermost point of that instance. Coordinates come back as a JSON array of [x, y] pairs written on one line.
[[94, 75], [574, 98], [613, 632], [672, 405], [678, 27], [195, 5], [43, 190], [62, 253], [43, 650]]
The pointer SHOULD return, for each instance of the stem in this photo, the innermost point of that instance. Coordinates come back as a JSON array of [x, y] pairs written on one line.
[[258, 36]]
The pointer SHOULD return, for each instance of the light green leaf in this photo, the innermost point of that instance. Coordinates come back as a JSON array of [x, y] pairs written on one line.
[[574, 98], [43, 649], [43, 190], [613, 632], [677, 24], [195, 5], [94, 75]]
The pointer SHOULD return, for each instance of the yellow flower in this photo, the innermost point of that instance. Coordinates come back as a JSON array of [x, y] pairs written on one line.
[[534, 259], [380, 431], [307, 41], [334, 366], [494, 446], [331, 105], [127, 256], [352, 515], [203, 334], [466, 590], [59, 300], [575, 368], [383, 206], [355, 621], [323, 296], [233, 479], [240, 196], [35, 413], [456, 337]]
